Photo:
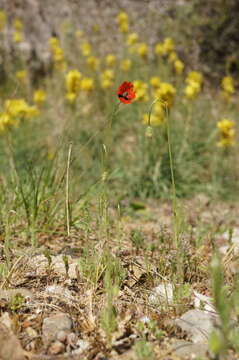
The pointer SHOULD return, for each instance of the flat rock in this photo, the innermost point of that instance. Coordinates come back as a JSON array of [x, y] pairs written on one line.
[[203, 302], [58, 291], [162, 294], [53, 325], [191, 350], [10, 293], [40, 265], [10, 347], [56, 348], [198, 324]]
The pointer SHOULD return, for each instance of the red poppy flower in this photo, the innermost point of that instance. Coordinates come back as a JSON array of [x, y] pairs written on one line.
[[126, 92]]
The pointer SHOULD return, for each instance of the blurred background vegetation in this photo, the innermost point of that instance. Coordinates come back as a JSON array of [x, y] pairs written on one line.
[[179, 51]]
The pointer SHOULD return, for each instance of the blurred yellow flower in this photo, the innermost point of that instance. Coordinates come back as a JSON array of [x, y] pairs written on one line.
[[155, 81], [5, 121], [227, 133], [19, 108], [107, 78], [169, 45], [143, 50], [54, 42], [71, 97], [122, 17], [165, 47], [159, 49], [106, 83], [39, 96], [124, 27], [125, 64], [192, 90], [73, 81], [108, 74], [3, 19], [141, 89], [85, 48], [157, 116], [194, 82], [93, 62], [17, 36], [18, 25], [110, 60], [194, 76], [123, 22], [172, 57], [166, 93], [228, 85], [87, 84], [21, 75], [58, 54], [132, 39], [178, 67]]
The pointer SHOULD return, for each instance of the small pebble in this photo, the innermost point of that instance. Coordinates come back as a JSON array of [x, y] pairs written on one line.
[[56, 348], [72, 339], [61, 336]]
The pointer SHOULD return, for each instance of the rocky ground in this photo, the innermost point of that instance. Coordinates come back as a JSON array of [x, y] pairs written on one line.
[[50, 309]]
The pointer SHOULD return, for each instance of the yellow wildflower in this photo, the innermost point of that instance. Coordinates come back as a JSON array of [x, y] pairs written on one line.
[[228, 85], [87, 84], [166, 93], [58, 54], [106, 83], [5, 120], [178, 67], [18, 25], [110, 60], [143, 50], [227, 133], [19, 108], [168, 45], [21, 75], [122, 17], [107, 78], [108, 74], [164, 48], [17, 36], [192, 90], [39, 96], [132, 39], [71, 97], [54, 42], [73, 81], [172, 57], [125, 64], [194, 76], [3, 19], [159, 49], [123, 21], [141, 90], [155, 81], [93, 62], [85, 48], [124, 27], [157, 116]]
